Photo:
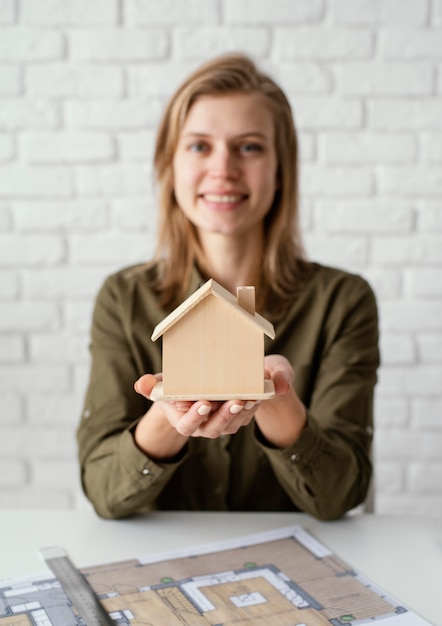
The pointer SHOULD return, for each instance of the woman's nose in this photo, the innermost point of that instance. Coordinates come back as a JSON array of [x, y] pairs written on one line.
[[223, 164]]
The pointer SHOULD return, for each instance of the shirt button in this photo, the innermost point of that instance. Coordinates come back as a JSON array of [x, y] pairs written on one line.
[[86, 414], [145, 471], [294, 458]]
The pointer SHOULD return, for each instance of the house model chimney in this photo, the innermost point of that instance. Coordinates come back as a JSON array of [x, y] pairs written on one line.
[[246, 298]]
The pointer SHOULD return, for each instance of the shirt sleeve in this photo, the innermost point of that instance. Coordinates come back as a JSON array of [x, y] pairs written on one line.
[[328, 470], [117, 477]]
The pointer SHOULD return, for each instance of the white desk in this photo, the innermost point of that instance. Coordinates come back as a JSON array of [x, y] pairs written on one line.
[[403, 555]]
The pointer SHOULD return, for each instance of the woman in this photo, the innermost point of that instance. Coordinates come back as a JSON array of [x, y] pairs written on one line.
[[226, 165]]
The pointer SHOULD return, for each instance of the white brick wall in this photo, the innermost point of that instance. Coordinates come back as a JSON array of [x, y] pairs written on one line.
[[82, 86]]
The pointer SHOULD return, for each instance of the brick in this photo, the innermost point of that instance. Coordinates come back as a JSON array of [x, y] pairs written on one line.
[[430, 347], [397, 12], [10, 82], [134, 214], [425, 478], [158, 79], [29, 316], [55, 474], [323, 113], [18, 44], [407, 315], [114, 180], [426, 413], [78, 315], [355, 11], [275, 12], [390, 477], [12, 348], [309, 78], [170, 12], [80, 378], [397, 349], [320, 42], [33, 378], [365, 216], [429, 216], [437, 12], [13, 473], [11, 410], [7, 11], [407, 115], [58, 348], [410, 43], [8, 284], [60, 215], [33, 498], [30, 250], [429, 506], [307, 147], [384, 79], [5, 217], [345, 252], [333, 181], [391, 412], [124, 114], [66, 12], [118, 45], [390, 250], [394, 12], [410, 181], [110, 248], [424, 282], [136, 146], [386, 282], [432, 147], [73, 283], [200, 43], [62, 80], [21, 114], [47, 410], [40, 181], [62, 147], [408, 445], [418, 380], [7, 148], [361, 147]]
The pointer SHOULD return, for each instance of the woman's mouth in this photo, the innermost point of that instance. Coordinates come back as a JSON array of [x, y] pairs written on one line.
[[223, 198]]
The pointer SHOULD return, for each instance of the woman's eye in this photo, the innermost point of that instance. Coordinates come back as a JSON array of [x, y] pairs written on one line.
[[249, 148], [197, 147]]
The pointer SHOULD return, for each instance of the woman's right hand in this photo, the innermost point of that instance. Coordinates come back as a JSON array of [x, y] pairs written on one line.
[[167, 425]]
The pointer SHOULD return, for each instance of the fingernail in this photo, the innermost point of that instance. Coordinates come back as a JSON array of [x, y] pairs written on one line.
[[250, 404], [236, 408], [204, 409]]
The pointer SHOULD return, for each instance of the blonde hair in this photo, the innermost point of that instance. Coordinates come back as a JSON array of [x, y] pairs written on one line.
[[178, 249]]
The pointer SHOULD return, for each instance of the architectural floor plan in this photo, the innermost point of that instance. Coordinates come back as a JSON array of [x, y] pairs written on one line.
[[284, 578]]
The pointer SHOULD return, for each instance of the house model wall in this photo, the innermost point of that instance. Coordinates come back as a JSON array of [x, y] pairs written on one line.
[[213, 347]]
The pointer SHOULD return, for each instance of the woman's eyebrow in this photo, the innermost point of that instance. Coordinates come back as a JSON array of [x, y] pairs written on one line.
[[251, 133]]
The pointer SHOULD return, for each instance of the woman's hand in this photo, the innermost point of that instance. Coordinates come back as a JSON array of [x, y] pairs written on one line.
[[166, 427], [164, 430], [282, 418]]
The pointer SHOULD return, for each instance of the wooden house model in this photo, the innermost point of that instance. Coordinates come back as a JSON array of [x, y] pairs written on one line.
[[213, 347]]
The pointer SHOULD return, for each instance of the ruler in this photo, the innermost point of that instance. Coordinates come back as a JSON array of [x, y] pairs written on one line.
[[76, 587]]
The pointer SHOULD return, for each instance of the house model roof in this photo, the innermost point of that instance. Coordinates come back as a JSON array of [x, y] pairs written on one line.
[[211, 287]]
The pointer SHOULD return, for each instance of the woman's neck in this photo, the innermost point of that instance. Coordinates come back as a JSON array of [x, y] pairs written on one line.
[[232, 261]]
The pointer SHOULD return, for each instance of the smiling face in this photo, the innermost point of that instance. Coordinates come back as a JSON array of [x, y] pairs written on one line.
[[225, 164]]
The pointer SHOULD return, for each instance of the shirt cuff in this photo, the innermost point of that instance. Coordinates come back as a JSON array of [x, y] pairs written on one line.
[[141, 468], [303, 451]]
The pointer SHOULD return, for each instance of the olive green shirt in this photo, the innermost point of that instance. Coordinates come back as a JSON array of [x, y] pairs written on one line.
[[330, 336]]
